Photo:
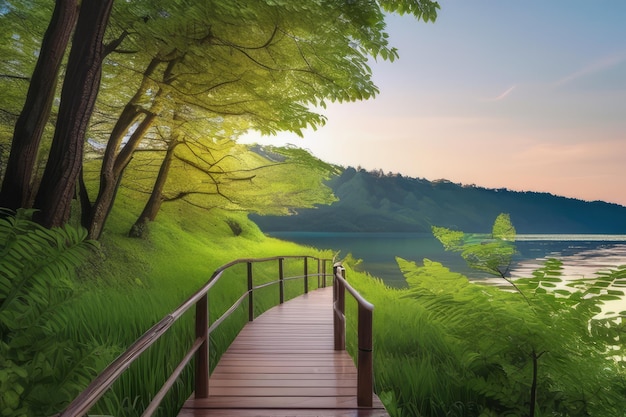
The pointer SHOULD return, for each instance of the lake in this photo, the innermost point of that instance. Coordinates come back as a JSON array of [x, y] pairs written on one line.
[[582, 255]]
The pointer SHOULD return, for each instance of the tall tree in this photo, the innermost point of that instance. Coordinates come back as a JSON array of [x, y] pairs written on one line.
[[266, 61], [263, 62], [17, 184], [80, 89]]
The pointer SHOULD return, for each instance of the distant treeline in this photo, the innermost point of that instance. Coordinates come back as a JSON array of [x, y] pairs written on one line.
[[371, 201]]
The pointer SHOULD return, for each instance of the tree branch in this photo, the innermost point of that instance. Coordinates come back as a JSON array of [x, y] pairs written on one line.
[[15, 77]]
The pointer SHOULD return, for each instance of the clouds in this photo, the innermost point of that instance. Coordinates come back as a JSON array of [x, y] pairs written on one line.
[[503, 95], [592, 68]]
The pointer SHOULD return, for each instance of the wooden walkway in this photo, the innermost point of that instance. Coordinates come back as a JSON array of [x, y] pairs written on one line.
[[284, 364]]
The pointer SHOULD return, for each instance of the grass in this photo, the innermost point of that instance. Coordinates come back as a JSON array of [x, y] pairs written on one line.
[[136, 282], [130, 284], [423, 365]]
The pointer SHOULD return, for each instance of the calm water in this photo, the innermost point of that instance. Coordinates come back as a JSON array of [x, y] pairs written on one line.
[[582, 255]]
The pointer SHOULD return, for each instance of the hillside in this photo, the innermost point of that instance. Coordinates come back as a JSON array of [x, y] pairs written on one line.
[[371, 202]]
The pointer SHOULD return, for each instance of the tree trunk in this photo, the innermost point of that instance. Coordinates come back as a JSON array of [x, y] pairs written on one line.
[[83, 197], [155, 200], [533, 386], [17, 185], [131, 113], [111, 178], [116, 159], [80, 89]]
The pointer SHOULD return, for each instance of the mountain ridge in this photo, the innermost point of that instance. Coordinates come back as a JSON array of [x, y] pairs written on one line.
[[369, 201]]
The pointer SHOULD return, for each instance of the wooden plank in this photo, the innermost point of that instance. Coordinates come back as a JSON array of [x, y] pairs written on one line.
[[286, 382], [278, 363], [330, 356], [244, 370], [363, 412], [277, 350], [333, 402], [328, 377], [282, 391]]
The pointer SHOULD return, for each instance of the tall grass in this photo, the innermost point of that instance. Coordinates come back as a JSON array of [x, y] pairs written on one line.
[[418, 367], [131, 284], [422, 366], [460, 349]]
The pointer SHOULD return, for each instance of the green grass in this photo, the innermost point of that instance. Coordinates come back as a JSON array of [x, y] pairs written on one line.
[[130, 284], [430, 359]]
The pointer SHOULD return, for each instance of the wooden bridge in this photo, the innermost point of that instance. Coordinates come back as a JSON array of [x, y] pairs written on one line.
[[289, 361]]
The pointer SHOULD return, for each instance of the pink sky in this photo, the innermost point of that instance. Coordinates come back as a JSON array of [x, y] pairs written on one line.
[[517, 98]]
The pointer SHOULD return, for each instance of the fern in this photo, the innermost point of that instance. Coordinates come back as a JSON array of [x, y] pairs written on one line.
[[541, 349], [39, 373]]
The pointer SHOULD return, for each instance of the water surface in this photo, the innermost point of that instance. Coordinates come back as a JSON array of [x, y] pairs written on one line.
[[582, 255]]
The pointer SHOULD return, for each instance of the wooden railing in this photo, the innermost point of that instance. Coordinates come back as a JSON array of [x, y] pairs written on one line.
[[200, 347], [365, 366]]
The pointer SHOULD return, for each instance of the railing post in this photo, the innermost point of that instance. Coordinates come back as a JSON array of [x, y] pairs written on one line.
[[319, 269], [306, 275], [250, 294], [324, 274], [202, 355], [281, 283], [339, 307], [365, 366]]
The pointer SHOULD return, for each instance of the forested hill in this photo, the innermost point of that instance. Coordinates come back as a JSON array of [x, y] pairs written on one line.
[[372, 202]]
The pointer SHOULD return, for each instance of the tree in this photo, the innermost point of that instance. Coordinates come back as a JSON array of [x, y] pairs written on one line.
[[264, 70], [133, 123], [266, 62], [17, 184], [547, 348], [232, 177], [156, 198], [80, 89]]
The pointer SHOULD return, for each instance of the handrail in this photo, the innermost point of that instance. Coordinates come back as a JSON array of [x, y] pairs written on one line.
[[365, 363], [199, 349]]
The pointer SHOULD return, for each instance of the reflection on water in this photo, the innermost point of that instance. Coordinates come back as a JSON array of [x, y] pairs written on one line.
[[582, 255], [579, 260]]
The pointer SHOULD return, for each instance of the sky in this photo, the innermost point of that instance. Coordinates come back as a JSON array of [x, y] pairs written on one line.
[[526, 95]]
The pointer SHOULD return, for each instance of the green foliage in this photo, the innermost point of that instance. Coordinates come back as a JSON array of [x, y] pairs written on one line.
[[131, 284], [494, 336], [547, 347], [20, 39], [259, 65], [40, 372], [235, 178], [492, 254], [425, 10], [503, 228], [444, 347]]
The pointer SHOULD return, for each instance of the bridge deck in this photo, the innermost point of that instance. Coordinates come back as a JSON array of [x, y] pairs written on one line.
[[284, 364]]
